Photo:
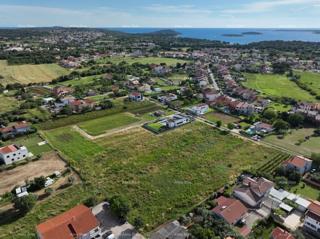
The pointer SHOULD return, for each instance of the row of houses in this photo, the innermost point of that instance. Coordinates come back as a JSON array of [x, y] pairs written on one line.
[[310, 110]]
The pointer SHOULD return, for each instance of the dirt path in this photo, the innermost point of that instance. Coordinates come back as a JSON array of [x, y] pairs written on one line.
[[109, 132]]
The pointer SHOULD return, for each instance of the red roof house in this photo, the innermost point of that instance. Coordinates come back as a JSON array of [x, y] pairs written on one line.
[[231, 210], [299, 163], [279, 233], [78, 222]]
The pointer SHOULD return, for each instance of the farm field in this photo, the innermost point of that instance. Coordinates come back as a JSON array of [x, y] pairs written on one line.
[[311, 79], [162, 176], [141, 60], [290, 140], [100, 125], [31, 142], [276, 86], [26, 74], [48, 164]]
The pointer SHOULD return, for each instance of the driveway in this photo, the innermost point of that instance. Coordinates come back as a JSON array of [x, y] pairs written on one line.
[[109, 222], [293, 220]]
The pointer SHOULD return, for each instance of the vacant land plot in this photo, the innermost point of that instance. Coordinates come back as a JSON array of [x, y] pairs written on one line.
[[276, 86], [290, 141], [48, 164], [26, 74], [311, 79], [100, 125], [168, 173], [31, 142], [224, 118], [80, 81], [162, 176], [141, 60]]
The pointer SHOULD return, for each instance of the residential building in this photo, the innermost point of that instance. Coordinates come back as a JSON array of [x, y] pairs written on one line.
[[17, 128], [77, 223], [300, 164], [79, 105], [171, 230], [229, 209], [261, 127], [210, 94], [177, 120], [200, 109], [279, 233], [253, 190], [135, 96], [312, 219], [13, 153]]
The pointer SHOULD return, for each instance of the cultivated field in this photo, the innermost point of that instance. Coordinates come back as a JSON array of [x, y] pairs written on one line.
[[276, 86], [290, 141], [101, 125], [48, 164], [141, 60], [26, 74]]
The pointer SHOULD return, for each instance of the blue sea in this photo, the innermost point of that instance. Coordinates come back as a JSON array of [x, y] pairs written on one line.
[[218, 34]]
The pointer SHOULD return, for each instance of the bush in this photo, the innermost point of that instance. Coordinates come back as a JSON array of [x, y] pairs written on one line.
[[120, 207], [25, 204]]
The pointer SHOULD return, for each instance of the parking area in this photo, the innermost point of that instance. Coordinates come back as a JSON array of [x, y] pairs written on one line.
[[110, 223]]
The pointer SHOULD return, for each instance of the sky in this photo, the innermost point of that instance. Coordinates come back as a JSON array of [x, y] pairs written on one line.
[[162, 14]]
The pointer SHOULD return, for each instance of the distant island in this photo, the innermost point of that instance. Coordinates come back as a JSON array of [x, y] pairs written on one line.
[[232, 35], [252, 33], [242, 34]]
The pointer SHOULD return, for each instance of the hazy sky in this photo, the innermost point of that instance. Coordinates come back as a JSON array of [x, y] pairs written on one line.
[[164, 13]]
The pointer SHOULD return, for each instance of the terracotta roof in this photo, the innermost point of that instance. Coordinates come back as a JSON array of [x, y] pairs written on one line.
[[8, 149], [77, 221], [244, 231], [232, 210], [279, 233], [297, 161]]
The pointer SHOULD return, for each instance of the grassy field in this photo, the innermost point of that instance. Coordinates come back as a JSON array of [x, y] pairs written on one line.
[[141, 60], [290, 140], [8, 103], [100, 125], [81, 81], [162, 176], [31, 142], [311, 79], [26, 74], [276, 86]]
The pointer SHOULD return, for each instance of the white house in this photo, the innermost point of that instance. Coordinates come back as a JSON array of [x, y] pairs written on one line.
[[312, 219], [135, 96], [13, 153], [177, 120], [199, 109]]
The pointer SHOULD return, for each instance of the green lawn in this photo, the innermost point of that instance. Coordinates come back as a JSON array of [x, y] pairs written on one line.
[[81, 81], [290, 140], [276, 86], [177, 78], [100, 125], [162, 176], [311, 79], [306, 191], [141, 60], [31, 142]]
